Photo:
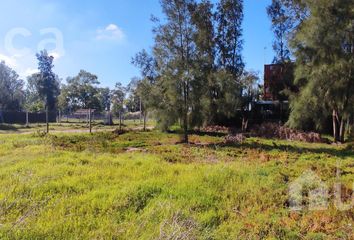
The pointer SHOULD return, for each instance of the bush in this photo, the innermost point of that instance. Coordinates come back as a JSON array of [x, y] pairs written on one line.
[[273, 130]]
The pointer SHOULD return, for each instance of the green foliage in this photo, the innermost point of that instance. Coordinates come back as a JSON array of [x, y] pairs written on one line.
[[46, 82], [323, 46], [193, 76], [281, 26], [229, 36], [11, 89], [82, 91], [118, 96]]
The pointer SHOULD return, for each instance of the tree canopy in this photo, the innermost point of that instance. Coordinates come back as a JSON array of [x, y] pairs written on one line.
[[11, 89]]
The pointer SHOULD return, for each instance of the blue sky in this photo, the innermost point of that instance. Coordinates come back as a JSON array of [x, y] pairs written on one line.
[[102, 36]]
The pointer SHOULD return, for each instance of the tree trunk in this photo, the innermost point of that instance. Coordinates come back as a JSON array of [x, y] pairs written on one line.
[[120, 121], [185, 117], [145, 121], [342, 131], [244, 121], [185, 127], [335, 126]]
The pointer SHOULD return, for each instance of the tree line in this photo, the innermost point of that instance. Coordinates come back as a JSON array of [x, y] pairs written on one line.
[[44, 90], [194, 74], [319, 37]]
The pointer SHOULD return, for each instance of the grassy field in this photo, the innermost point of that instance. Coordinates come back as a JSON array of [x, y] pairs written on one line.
[[145, 185]]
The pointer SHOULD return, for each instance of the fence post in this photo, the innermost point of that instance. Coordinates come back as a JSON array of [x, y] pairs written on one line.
[[90, 126], [27, 122], [59, 117], [140, 110], [47, 119]]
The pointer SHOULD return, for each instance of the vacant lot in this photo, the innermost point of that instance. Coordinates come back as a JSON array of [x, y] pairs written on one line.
[[148, 186]]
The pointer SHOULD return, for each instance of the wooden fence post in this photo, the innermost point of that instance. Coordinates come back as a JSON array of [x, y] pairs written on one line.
[[27, 122], [47, 119], [90, 121]]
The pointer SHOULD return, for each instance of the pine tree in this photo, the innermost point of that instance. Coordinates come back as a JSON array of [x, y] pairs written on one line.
[[205, 108], [324, 51], [230, 64], [48, 83], [281, 26], [174, 51], [229, 36]]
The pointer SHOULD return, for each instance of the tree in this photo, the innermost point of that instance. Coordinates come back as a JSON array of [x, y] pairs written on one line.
[[174, 52], [324, 48], [249, 94], [82, 91], [144, 93], [281, 26], [205, 108], [147, 65], [34, 101], [65, 101], [104, 95], [118, 96], [11, 89], [229, 36], [193, 75], [47, 83], [229, 19]]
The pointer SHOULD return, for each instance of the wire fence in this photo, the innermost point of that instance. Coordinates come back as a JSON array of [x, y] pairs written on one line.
[[15, 117]]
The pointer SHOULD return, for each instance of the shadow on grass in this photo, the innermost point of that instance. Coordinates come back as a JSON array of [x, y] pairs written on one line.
[[6, 127], [211, 134], [335, 152]]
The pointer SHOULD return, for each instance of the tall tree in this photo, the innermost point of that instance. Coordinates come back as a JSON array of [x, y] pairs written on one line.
[[174, 51], [229, 19], [229, 36], [147, 65], [118, 97], [204, 65], [104, 96], [11, 89], [281, 26], [324, 50], [48, 83], [34, 101]]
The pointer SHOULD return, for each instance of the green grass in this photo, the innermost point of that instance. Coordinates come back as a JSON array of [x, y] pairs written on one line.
[[145, 185]]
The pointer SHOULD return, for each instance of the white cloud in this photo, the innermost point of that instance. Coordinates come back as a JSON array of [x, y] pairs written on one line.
[[55, 55], [111, 32], [24, 65], [9, 60], [29, 72]]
